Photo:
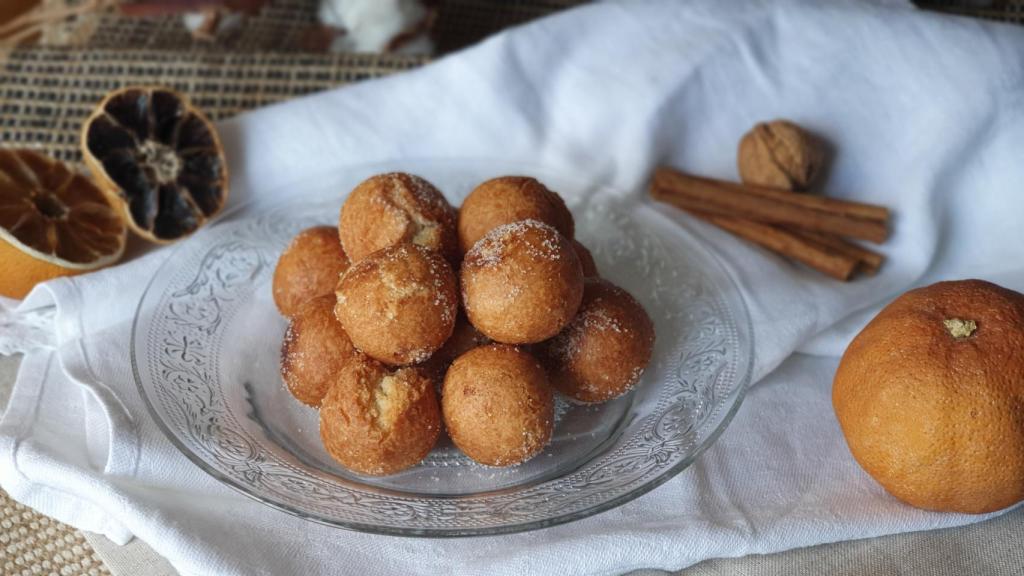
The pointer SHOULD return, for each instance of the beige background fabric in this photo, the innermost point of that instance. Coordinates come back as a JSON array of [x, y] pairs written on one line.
[[31, 543], [135, 557]]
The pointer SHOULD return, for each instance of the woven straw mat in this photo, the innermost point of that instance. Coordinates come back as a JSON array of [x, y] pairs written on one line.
[[45, 93], [47, 90], [284, 26], [31, 543]]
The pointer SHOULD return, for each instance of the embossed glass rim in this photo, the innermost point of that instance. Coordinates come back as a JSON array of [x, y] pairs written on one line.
[[733, 301]]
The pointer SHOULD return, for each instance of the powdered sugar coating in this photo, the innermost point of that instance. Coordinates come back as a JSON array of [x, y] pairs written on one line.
[[492, 249], [426, 194]]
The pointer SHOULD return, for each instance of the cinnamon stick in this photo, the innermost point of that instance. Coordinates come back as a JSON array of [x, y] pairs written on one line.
[[831, 262], [869, 261], [769, 206]]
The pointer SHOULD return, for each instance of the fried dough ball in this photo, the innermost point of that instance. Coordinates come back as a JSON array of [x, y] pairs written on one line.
[[377, 421], [602, 353], [398, 304], [314, 349], [464, 338], [498, 406], [308, 267], [586, 260], [510, 199], [521, 283], [394, 208]]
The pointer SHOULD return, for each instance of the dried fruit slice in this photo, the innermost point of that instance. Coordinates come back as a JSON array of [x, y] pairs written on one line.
[[159, 157], [53, 222]]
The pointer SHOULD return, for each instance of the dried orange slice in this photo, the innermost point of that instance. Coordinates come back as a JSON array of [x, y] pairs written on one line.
[[53, 222], [159, 157]]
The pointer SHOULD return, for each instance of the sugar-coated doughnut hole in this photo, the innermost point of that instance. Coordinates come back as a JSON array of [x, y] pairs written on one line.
[[378, 421], [314, 349], [586, 260], [602, 353], [521, 283], [398, 305], [497, 404], [510, 199], [308, 267], [394, 208], [464, 338]]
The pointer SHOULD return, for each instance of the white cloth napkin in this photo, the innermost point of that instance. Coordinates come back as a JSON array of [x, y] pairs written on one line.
[[926, 116]]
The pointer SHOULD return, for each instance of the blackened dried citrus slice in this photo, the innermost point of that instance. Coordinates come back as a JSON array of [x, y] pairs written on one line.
[[160, 157]]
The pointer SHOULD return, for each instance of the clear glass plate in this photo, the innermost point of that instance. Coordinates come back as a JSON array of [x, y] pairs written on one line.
[[205, 350]]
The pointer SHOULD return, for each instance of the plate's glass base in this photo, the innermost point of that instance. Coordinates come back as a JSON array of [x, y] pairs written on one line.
[[206, 349]]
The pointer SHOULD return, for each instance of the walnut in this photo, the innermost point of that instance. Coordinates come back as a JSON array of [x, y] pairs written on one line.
[[779, 154]]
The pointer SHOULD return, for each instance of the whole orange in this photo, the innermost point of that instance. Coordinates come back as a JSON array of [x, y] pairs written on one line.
[[930, 397]]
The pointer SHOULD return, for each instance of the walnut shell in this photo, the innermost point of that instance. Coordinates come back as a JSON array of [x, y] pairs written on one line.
[[779, 154]]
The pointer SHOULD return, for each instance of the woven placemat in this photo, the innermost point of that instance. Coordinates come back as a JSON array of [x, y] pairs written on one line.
[[32, 544], [285, 26], [45, 93]]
